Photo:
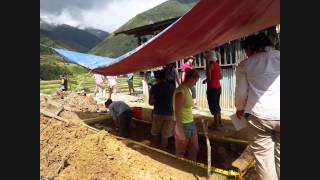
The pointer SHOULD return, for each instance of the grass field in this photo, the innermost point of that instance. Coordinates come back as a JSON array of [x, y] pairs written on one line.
[[86, 82]]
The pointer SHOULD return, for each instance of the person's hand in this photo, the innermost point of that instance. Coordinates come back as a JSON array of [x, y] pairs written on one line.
[[179, 132], [240, 114], [204, 81]]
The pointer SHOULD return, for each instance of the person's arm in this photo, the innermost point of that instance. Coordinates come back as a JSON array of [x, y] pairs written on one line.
[[204, 81], [183, 76], [179, 101], [208, 70], [177, 76], [62, 82], [151, 96], [113, 113], [241, 91]]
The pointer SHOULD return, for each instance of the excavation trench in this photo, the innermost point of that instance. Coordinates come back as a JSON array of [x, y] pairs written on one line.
[[223, 152]]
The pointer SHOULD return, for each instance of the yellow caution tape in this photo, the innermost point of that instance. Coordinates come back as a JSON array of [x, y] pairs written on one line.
[[201, 165], [228, 139]]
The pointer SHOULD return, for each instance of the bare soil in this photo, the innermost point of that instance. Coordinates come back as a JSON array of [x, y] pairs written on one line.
[[72, 151]]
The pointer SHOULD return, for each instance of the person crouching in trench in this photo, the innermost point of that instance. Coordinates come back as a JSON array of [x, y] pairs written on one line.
[[121, 115]]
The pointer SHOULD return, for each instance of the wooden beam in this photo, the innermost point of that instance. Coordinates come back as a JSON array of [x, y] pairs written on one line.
[[145, 88]]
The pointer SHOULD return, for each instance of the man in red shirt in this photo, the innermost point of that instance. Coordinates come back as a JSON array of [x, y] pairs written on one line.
[[213, 72]]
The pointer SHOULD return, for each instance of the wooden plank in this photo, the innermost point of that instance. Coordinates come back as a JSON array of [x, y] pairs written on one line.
[[102, 117], [245, 161], [50, 114]]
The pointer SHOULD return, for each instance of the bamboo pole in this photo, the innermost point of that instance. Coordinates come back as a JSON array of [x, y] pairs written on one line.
[[205, 127], [96, 119]]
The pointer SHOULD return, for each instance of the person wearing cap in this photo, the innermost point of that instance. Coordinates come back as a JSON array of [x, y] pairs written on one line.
[[213, 72]]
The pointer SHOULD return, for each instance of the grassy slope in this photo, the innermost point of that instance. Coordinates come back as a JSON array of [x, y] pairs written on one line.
[[49, 42], [115, 46]]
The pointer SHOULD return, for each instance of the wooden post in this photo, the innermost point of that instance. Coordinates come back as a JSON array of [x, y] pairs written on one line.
[[145, 88], [139, 40], [205, 130]]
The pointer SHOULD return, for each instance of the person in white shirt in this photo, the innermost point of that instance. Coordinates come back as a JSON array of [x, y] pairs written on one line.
[[99, 85], [112, 84], [121, 115], [257, 98]]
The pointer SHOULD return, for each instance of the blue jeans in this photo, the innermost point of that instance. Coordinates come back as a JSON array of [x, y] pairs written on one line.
[[189, 129]]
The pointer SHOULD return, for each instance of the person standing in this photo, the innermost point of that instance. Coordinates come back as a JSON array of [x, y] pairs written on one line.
[[213, 71], [257, 98], [185, 131], [171, 74], [185, 67], [63, 83], [112, 80], [130, 82], [161, 98], [99, 84], [121, 115]]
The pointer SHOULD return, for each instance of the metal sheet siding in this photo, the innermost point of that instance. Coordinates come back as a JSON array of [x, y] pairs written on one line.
[[227, 90]]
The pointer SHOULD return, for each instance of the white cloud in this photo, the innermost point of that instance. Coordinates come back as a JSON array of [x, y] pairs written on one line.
[[108, 16]]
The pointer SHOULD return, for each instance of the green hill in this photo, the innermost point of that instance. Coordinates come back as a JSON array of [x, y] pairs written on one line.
[[81, 40], [46, 40], [114, 46], [76, 38]]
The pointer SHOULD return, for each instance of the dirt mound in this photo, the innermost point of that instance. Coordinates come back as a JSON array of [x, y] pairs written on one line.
[[76, 102], [72, 151], [70, 105]]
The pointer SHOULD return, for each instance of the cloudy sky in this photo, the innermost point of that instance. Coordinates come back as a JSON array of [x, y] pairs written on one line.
[[107, 15]]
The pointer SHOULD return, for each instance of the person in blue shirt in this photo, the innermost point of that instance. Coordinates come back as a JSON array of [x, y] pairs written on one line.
[[161, 98]]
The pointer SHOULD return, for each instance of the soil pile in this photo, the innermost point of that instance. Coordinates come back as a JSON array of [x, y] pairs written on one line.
[[75, 106], [76, 102]]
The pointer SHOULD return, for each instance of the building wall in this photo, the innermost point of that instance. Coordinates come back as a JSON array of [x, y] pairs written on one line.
[[227, 89], [229, 55]]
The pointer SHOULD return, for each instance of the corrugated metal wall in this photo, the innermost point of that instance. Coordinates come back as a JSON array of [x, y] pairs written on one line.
[[229, 55], [227, 89]]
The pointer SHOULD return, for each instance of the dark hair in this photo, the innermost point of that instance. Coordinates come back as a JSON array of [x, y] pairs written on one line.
[[191, 73], [159, 74], [256, 42], [108, 102], [187, 59]]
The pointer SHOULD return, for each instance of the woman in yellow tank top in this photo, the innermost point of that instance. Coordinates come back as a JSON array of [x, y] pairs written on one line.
[[185, 131]]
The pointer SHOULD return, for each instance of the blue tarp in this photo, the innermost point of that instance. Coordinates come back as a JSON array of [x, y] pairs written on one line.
[[88, 61]]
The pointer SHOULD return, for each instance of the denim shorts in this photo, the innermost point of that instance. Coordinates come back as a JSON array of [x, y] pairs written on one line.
[[189, 129]]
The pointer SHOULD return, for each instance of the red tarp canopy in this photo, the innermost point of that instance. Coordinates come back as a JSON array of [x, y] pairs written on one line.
[[210, 23]]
